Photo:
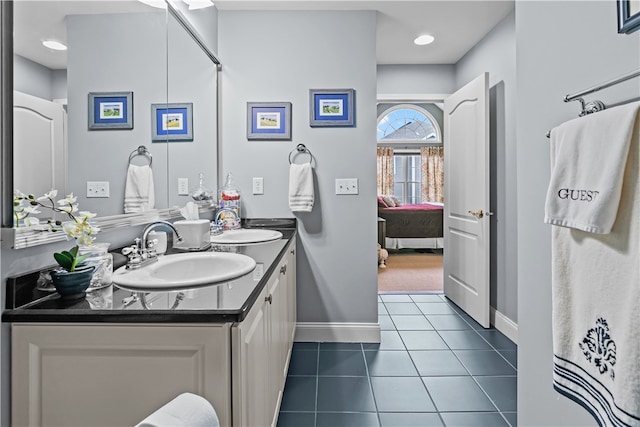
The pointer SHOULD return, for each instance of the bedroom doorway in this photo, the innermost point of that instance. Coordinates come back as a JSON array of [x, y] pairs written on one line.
[[410, 178]]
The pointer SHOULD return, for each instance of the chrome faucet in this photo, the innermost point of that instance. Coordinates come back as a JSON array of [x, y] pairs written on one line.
[[144, 252], [153, 225]]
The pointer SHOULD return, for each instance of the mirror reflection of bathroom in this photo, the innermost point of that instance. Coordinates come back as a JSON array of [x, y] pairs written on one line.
[[59, 142]]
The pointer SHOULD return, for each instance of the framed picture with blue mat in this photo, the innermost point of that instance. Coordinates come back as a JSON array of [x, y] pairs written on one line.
[[172, 122]]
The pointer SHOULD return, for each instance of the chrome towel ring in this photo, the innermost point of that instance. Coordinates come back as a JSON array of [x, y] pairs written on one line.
[[141, 151], [300, 149]]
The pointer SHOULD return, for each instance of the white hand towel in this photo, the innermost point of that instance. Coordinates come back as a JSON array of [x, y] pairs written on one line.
[[596, 321], [139, 194], [186, 410], [301, 187], [588, 159]]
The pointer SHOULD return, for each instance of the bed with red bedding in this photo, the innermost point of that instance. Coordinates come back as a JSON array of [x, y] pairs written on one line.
[[421, 220]]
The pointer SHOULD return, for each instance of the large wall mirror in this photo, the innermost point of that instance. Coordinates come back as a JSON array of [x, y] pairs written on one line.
[[145, 65]]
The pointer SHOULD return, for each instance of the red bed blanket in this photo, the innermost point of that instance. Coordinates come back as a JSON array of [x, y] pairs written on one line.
[[421, 220]]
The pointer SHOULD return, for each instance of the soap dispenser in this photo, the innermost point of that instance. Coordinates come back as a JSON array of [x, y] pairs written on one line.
[[201, 194], [229, 199]]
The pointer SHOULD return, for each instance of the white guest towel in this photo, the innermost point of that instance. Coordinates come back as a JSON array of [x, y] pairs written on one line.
[[139, 194], [301, 187], [186, 410], [588, 159], [596, 320]]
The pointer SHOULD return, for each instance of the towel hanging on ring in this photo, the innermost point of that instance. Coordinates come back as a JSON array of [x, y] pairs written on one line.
[[301, 195]]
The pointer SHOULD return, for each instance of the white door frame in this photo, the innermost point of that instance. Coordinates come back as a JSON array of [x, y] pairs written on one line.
[[413, 98]]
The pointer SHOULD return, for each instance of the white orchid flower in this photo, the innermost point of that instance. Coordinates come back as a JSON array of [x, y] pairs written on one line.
[[19, 194], [48, 196], [85, 240], [31, 210], [28, 222], [72, 229], [86, 215]]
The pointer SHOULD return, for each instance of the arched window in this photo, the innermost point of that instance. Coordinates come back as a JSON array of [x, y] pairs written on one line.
[[408, 123], [405, 131]]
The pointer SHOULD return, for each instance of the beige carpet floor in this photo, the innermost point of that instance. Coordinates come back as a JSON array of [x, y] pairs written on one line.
[[411, 272]]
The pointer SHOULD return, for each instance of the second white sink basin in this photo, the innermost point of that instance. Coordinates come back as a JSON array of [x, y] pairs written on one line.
[[184, 271], [245, 236]]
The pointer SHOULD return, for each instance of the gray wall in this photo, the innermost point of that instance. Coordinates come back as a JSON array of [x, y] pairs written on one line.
[[159, 64], [496, 53], [279, 56], [32, 78], [563, 47], [400, 79], [135, 59]]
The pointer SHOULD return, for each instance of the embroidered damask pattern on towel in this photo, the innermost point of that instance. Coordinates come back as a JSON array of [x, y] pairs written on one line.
[[599, 348]]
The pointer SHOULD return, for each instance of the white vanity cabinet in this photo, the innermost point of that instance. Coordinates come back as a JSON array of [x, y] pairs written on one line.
[[261, 349], [113, 374]]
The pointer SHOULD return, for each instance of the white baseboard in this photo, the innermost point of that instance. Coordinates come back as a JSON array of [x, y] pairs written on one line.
[[370, 332], [504, 325], [337, 332]]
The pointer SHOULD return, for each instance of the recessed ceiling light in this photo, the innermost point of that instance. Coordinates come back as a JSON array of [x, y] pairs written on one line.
[[424, 39], [52, 44]]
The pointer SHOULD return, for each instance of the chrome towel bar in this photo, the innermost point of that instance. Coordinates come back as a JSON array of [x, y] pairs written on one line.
[[596, 105]]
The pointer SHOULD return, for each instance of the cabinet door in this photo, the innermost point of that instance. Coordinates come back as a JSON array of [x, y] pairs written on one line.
[[291, 292], [250, 350], [114, 375], [278, 343]]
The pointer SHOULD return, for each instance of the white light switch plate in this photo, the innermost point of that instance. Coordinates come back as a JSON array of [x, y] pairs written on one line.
[[97, 189], [347, 186], [183, 186], [258, 185]]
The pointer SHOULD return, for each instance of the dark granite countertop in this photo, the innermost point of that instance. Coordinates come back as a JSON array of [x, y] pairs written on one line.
[[226, 302]]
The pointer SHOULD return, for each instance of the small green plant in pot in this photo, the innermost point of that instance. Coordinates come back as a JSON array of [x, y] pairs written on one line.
[[73, 277]]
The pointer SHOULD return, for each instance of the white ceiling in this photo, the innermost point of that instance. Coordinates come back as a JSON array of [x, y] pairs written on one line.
[[457, 25]]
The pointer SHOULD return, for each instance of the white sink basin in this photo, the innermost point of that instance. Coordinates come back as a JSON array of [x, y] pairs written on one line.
[[244, 236], [184, 271]]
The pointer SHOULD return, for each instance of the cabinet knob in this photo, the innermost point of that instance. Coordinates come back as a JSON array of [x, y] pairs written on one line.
[[268, 299], [283, 269], [293, 251]]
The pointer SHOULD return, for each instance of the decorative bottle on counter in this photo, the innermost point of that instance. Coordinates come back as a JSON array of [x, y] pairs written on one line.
[[201, 194], [229, 201], [98, 255]]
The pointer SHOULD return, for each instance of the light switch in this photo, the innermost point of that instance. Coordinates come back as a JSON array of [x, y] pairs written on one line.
[[258, 185], [347, 186], [97, 189], [183, 186]]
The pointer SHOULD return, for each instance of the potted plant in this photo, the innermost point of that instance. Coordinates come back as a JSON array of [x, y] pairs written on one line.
[[74, 276]]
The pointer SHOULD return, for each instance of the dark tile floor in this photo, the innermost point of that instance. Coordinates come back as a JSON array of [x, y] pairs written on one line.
[[434, 366]]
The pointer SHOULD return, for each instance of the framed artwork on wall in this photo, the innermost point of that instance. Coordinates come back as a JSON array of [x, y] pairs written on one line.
[[172, 122], [110, 110], [331, 107], [269, 120], [628, 16]]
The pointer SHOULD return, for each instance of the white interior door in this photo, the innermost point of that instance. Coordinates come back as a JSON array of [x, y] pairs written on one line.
[[466, 222], [38, 145]]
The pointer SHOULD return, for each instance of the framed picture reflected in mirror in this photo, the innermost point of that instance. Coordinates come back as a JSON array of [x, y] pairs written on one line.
[[628, 16]]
